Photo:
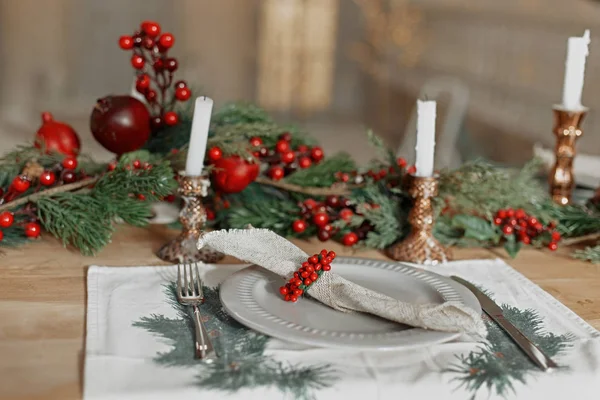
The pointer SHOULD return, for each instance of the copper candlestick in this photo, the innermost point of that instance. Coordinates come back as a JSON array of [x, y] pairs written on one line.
[[420, 246], [567, 130], [192, 216]]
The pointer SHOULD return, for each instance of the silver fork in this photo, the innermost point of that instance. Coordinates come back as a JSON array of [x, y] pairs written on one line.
[[189, 293]]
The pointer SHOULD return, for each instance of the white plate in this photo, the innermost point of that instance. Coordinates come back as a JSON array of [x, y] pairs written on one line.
[[251, 296]]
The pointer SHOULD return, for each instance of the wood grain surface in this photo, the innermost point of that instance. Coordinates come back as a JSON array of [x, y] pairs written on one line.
[[43, 298]]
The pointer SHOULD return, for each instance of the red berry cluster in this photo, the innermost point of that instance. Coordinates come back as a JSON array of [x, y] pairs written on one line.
[[7, 219], [323, 214], [526, 227], [283, 158], [155, 68], [375, 175], [310, 271]]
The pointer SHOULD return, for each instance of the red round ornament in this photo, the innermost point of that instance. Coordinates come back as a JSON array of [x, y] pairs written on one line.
[[6, 219], [276, 173], [304, 162], [166, 40], [320, 219], [180, 84], [143, 82], [553, 246], [299, 225], [54, 136], [120, 123], [68, 176], [346, 214], [282, 146], [350, 239], [316, 153], [47, 178], [288, 157], [20, 184], [215, 153], [171, 118], [183, 93], [151, 28], [126, 42], [69, 163], [32, 230], [255, 141], [137, 62], [233, 174], [171, 64]]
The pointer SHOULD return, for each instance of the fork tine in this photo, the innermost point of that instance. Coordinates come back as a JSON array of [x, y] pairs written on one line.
[[200, 291], [185, 280], [192, 281], [179, 292]]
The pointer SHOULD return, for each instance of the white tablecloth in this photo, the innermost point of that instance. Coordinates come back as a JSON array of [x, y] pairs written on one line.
[[138, 346]]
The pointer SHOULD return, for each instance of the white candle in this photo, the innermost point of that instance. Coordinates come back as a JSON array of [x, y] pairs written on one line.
[[577, 52], [199, 136], [425, 138]]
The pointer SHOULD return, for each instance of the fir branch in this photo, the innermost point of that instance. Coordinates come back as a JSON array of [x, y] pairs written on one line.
[[573, 220], [48, 193], [591, 254], [481, 188], [322, 174]]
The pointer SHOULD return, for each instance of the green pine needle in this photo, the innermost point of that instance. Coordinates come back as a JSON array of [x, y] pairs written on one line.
[[591, 254], [322, 174]]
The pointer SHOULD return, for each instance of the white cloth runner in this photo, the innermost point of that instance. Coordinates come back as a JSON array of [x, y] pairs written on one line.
[[134, 328], [273, 252]]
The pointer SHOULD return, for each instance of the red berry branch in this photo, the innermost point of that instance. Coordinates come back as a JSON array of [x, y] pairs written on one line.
[[526, 228], [307, 275], [154, 70]]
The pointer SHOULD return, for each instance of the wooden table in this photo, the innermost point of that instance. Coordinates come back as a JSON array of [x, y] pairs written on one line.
[[43, 298]]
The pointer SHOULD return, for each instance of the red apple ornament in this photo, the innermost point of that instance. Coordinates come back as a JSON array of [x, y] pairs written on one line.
[[54, 136], [233, 174], [120, 123]]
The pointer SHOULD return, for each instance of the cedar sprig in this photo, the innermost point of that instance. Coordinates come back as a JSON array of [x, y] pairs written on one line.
[[479, 187], [322, 174], [85, 219], [591, 254]]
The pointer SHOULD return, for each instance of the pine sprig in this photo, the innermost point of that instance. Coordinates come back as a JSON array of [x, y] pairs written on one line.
[[481, 188], [591, 254], [85, 219], [323, 174]]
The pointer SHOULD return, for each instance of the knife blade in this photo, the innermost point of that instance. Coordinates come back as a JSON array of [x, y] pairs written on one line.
[[495, 312]]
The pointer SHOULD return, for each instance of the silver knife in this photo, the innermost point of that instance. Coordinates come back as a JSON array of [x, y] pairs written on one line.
[[496, 314]]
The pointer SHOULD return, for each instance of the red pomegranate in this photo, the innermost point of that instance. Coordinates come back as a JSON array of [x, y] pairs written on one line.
[[120, 123], [54, 136], [233, 174]]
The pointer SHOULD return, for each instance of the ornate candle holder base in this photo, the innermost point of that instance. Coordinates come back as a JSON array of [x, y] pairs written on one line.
[[567, 130], [183, 249], [420, 246]]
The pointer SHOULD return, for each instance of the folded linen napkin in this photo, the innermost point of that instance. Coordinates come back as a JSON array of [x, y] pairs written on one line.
[[276, 254]]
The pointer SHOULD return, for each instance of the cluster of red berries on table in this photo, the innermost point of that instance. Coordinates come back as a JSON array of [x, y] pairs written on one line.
[[283, 158], [154, 71], [375, 175], [306, 275], [323, 214], [526, 228]]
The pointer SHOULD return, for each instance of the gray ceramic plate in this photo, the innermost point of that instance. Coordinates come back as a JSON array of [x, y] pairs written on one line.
[[251, 296]]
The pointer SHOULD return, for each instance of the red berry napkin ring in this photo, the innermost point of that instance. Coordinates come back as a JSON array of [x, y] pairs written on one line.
[[307, 275]]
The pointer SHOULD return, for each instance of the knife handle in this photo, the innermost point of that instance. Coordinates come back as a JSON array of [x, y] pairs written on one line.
[[535, 354]]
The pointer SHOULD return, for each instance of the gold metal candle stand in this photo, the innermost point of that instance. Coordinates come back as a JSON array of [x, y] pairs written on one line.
[[420, 246], [193, 217], [567, 130]]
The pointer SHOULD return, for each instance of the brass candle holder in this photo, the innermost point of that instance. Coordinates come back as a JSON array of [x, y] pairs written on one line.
[[567, 130], [420, 246], [192, 216]]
